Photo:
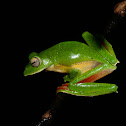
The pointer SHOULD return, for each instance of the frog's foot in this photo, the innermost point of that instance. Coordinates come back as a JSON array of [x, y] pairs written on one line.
[[63, 88], [87, 89]]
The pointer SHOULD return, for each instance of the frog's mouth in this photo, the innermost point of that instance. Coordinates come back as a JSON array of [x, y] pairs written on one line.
[[26, 73], [30, 70]]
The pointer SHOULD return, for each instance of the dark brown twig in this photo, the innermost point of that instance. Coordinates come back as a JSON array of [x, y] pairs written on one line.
[[118, 18], [56, 105], [120, 8]]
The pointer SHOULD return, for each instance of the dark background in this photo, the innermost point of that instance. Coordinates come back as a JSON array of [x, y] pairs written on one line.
[[38, 26]]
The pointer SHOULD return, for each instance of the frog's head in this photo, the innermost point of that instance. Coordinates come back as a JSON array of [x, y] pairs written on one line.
[[36, 64]]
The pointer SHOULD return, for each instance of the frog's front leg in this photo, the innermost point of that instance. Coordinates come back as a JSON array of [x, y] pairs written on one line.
[[76, 87]]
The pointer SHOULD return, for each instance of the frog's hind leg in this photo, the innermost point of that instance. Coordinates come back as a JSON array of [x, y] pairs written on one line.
[[88, 89]]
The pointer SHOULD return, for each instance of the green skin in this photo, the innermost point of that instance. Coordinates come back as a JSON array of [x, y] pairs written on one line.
[[72, 52]]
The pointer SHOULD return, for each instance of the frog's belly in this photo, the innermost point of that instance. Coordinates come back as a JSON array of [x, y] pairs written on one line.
[[83, 66]]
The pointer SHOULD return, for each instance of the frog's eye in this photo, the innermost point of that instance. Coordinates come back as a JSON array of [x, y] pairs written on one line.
[[35, 62]]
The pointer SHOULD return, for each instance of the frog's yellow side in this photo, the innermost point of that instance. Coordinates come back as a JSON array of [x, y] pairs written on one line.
[[83, 66]]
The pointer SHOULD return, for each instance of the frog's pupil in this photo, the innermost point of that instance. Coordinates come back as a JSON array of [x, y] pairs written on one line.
[[33, 62]]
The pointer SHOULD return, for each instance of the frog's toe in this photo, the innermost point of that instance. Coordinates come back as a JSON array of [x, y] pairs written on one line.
[[62, 88]]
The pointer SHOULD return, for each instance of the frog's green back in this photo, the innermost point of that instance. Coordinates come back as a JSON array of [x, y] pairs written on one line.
[[69, 52]]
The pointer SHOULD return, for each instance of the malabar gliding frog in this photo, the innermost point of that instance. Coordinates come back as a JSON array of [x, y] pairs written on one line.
[[84, 63]]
